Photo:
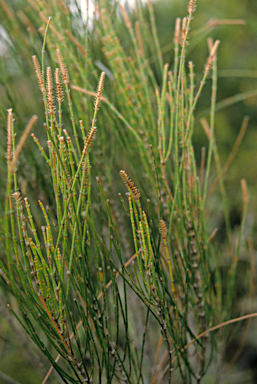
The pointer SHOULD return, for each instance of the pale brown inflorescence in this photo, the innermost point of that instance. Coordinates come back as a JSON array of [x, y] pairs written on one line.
[[50, 96], [58, 85], [39, 74], [212, 56], [130, 185], [99, 91], [177, 31], [163, 229], [88, 140], [9, 137], [191, 6]]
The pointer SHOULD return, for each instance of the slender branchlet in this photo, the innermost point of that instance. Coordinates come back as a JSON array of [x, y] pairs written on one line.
[[139, 38], [9, 136], [3, 275], [82, 90], [213, 234], [99, 91], [64, 71], [177, 31], [211, 57], [125, 17], [163, 231], [183, 30], [212, 23], [22, 141], [50, 96], [58, 86], [245, 192], [65, 8], [75, 41], [54, 30], [86, 171], [130, 185], [210, 43], [7, 10], [82, 128], [62, 145], [39, 74], [25, 20], [34, 5]]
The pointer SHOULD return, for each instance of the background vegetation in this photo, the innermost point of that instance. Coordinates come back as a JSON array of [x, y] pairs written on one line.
[[87, 51]]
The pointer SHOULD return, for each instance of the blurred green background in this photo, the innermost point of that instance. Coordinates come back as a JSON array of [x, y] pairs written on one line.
[[237, 86]]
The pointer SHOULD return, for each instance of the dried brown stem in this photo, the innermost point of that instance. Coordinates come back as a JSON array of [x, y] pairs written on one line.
[[90, 93], [22, 141]]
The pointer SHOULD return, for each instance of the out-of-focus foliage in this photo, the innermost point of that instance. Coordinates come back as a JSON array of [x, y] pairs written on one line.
[[237, 76]]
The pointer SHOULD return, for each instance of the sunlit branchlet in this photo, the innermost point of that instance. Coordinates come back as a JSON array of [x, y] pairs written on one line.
[[163, 231], [212, 23], [139, 38], [183, 30], [27, 23], [7, 10], [76, 42], [211, 57], [125, 16], [245, 192], [177, 31], [130, 185], [53, 29]]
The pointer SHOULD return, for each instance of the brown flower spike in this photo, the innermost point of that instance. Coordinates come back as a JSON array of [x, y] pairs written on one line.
[[99, 91], [130, 185], [39, 74]]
